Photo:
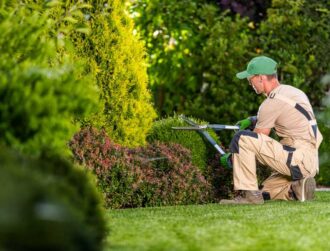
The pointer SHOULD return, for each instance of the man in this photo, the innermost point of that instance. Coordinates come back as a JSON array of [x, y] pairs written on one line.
[[293, 160]]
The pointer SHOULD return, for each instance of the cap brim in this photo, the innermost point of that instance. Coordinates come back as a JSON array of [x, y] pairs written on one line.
[[242, 75]]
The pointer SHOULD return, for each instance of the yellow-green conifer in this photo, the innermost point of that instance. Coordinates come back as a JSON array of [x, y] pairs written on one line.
[[116, 58]]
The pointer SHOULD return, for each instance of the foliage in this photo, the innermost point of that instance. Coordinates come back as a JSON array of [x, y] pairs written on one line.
[[254, 9], [324, 176], [115, 58], [41, 210], [324, 125], [296, 34], [221, 97], [159, 174], [195, 52], [41, 93], [170, 39], [201, 150], [203, 154], [220, 178]]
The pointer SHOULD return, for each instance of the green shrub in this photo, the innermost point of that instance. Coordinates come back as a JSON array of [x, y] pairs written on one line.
[[115, 59], [324, 125], [41, 210], [41, 93], [201, 150], [158, 174], [324, 176]]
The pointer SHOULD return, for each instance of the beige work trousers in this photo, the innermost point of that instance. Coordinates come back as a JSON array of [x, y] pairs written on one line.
[[287, 164]]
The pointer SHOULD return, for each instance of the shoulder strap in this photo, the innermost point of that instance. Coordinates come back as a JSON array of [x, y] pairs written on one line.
[[313, 130], [308, 115]]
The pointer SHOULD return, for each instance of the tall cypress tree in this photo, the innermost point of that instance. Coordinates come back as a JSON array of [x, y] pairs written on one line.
[[104, 37]]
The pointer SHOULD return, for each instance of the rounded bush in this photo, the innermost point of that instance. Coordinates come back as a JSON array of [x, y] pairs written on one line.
[[42, 92], [158, 174], [48, 205]]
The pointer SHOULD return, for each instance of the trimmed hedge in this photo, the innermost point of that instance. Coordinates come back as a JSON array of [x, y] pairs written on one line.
[[201, 150], [48, 205], [158, 174]]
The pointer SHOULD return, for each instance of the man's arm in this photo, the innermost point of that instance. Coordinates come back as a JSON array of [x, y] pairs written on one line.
[[265, 131]]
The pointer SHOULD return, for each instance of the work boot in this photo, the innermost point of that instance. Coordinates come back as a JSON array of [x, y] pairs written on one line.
[[304, 189], [247, 197]]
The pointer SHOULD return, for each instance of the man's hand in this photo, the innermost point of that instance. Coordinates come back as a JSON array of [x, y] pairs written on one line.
[[226, 161], [248, 123]]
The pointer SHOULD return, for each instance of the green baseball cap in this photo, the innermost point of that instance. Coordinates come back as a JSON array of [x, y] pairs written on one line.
[[258, 65]]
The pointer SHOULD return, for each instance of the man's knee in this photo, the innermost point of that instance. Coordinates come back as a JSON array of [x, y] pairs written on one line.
[[234, 144]]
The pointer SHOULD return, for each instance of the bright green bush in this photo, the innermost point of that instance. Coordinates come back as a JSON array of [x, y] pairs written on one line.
[[201, 150], [115, 58], [48, 205], [42, 92]]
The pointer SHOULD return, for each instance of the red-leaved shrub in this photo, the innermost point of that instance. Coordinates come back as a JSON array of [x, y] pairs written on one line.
[[158, 174]]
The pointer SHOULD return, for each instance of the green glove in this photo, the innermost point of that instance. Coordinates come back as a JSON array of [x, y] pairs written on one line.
[[248, 123], [226, 161]]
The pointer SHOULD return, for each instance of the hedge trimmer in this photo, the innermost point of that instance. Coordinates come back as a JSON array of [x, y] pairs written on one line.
[[201, 129]]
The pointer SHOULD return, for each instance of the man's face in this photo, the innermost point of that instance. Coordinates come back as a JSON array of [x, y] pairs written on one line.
[[256, 82]]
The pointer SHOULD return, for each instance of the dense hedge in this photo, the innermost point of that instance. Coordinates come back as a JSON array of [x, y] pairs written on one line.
[[48, 205], [158, 174], [201, 150]]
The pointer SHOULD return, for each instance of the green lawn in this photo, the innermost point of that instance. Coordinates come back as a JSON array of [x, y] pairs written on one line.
[[276, 225]]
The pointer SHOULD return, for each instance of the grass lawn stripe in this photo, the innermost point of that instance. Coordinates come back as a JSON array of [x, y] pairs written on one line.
[[277, 225]]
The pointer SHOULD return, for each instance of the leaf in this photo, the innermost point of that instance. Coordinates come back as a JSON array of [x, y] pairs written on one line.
[[83, 30], [54, 3], [70, 19], [85, 6]]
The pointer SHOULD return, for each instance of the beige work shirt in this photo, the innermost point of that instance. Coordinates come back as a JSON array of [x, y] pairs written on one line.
[[289, 124]]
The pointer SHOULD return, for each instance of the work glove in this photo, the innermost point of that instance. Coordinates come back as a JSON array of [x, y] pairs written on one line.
[[248, 123], [226, 161]]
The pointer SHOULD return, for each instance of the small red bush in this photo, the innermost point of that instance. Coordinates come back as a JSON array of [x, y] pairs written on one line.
[[158, 174]]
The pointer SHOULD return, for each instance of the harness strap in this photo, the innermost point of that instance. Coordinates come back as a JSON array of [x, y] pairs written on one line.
[[308, 115], [294, 170], [313, 126]]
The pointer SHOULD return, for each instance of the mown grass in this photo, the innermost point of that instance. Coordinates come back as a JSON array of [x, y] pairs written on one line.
[[276, 225]]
